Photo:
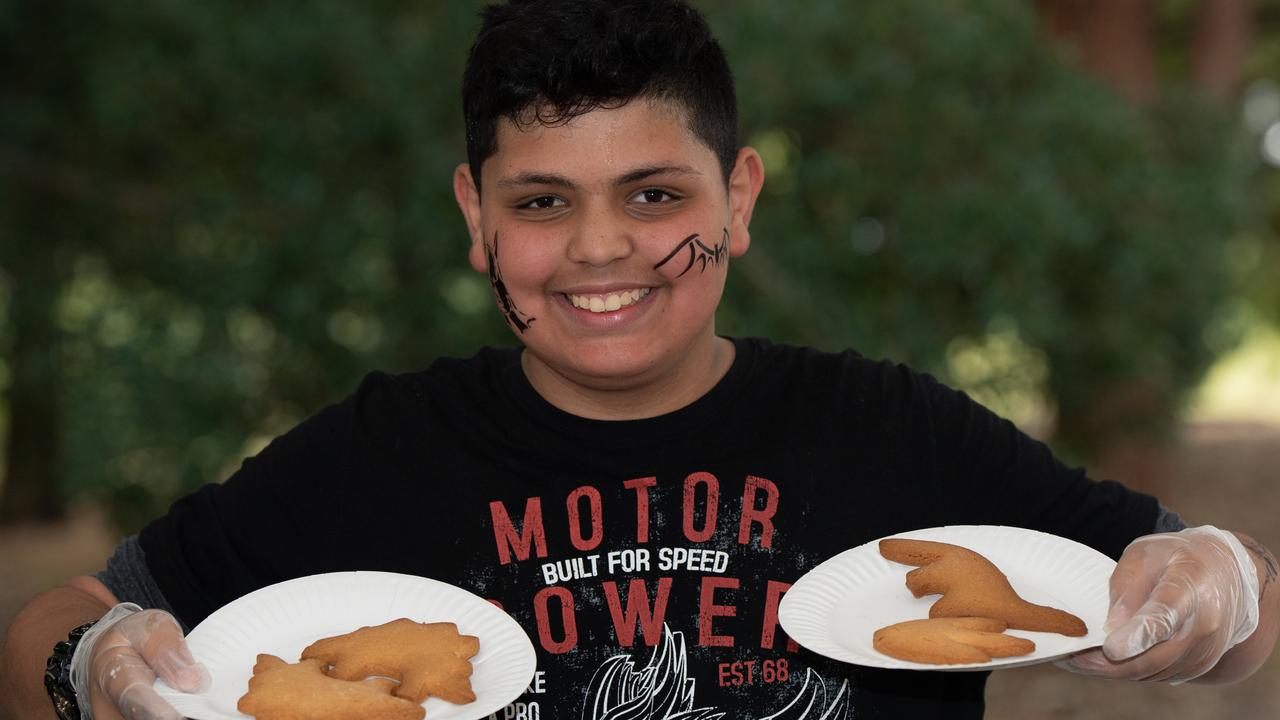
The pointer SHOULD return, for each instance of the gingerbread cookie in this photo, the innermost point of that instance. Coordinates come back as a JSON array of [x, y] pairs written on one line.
[[971, 586], [950, 641], [429, 659], [281, 691]]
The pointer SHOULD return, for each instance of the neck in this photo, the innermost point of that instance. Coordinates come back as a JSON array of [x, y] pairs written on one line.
[[658, 391]]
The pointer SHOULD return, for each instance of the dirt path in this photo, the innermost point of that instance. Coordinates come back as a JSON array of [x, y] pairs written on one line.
[[1225, 474], [36, 557]]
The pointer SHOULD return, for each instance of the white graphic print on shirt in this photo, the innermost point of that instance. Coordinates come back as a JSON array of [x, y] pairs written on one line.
[[648, 562], [662, 690]]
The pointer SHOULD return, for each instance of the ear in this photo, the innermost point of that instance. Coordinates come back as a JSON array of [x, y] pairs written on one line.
[[744, 187], [468, 197]]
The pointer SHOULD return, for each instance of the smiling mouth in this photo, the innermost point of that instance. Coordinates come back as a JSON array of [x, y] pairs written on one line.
[[610, 301]]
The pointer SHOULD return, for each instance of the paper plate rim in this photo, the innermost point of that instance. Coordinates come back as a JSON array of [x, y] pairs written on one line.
[[806, 610], [507, 641]]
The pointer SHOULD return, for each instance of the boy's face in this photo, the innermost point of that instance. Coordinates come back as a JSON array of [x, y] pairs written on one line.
[[607, 240]]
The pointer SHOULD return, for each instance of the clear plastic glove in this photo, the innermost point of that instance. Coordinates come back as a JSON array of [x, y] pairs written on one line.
[[1179, 601], [118, 659]]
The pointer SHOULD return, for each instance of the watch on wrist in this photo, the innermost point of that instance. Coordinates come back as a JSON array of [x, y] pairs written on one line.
[[57, 675]]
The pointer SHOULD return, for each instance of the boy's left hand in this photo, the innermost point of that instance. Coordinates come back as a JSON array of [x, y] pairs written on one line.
[[1179, 602]]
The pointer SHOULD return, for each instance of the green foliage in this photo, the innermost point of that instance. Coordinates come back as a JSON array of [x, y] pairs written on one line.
[[248, 206], [1259, 254], [944, 174], [254, 210]]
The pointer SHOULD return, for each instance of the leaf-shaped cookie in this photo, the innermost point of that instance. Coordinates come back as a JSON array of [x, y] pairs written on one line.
[[429, 659], [282, 691], [949, 641]]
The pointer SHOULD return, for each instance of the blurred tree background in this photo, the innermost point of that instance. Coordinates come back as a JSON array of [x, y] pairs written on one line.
[[216, 217]]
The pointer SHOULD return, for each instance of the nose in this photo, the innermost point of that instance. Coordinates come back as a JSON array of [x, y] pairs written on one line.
[[599, 239]]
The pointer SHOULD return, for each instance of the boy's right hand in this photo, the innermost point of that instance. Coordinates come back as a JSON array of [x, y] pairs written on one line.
[[125, 652]]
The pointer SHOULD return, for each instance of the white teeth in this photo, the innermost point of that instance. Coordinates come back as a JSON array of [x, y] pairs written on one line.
[[610, 302]]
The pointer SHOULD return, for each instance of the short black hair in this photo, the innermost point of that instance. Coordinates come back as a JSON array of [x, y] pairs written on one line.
[[548, 61]]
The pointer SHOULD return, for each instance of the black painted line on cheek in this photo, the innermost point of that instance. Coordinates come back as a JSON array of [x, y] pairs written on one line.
[[687, 242], [518, 320], [699, 253]]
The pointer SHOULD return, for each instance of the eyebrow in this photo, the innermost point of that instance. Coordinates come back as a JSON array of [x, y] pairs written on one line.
[[648, 172], [535, 178], [525, 179]]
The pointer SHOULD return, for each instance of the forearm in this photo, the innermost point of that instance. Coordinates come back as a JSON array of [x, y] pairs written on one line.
[[41, 624], [1244, 659]]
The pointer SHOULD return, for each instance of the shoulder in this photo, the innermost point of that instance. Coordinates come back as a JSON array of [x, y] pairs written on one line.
[[840, 371], [387, 405], [446, 376], [777, 359], [849, 389]]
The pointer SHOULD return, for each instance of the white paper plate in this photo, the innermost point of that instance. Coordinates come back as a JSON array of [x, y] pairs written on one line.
[[835, 608], [283, 619]]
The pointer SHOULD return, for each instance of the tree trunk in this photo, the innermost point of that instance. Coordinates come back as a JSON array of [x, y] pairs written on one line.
[[1222, 34], [31, 489], [1112, 38], [1122, 428]]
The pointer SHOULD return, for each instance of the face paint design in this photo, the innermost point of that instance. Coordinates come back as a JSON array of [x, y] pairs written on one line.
[[517, 319], [699, 253]]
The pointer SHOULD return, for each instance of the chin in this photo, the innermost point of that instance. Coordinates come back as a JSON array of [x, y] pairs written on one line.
[[610, 371], [605, 364]]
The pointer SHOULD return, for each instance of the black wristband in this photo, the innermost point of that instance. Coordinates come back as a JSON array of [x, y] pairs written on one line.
[[57, 675]]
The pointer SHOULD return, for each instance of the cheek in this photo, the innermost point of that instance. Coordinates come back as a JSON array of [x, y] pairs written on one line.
[[690, 255], [525, 259]]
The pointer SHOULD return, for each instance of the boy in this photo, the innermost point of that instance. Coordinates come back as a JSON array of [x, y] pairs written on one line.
[[605, 196]]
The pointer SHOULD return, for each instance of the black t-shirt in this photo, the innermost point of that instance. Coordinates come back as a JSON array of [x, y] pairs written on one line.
[[644, 558]]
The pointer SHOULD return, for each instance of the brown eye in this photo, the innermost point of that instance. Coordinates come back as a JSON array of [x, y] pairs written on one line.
[[543, 202], [653, 195]]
